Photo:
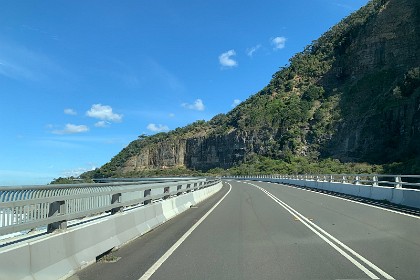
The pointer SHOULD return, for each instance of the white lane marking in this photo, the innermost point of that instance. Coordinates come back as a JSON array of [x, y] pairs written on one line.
[[347, 256], [319, 231], [349, 200], [350, 258], [168, 253]]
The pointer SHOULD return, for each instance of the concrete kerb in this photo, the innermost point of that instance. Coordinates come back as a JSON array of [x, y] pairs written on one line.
[[409, 197], [61, 254], [381, 193], [365, 191], [398, 196]]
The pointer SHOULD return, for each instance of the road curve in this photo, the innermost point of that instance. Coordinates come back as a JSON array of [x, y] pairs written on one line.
[[271, 231]]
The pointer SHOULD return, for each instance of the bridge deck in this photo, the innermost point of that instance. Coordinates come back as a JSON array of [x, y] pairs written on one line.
[[288, 233]]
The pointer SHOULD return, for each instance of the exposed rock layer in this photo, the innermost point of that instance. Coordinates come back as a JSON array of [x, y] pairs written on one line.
[[364, 104]]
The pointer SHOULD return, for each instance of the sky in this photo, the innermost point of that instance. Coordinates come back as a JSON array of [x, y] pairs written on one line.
[[80, 80]]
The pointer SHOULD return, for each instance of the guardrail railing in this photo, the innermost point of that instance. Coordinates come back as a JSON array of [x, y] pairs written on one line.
[[382, 180], [29, 207]]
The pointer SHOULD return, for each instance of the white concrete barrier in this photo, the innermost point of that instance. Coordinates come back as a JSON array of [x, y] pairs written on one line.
[[61, 254], [406, 197]]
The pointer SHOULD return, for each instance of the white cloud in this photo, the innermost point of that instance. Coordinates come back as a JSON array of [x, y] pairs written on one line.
[[102, 124], [157, 127], [103, 112], [236, 102], [69, 111], [278, 43], [226, 60], [72, 129], [171, 115], [198, 105], [250, 52]]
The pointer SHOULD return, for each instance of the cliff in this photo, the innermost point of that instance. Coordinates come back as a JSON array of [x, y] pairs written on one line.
[[351, 95], [378, 73]]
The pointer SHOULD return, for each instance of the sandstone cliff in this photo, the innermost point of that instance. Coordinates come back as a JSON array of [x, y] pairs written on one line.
[[353, 95], [379, 123]]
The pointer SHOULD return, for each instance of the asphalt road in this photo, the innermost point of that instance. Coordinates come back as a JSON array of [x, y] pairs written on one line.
[[270, 231]]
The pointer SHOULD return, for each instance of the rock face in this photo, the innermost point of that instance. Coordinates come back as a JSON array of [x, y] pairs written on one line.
[[389, 40], [215, 151], [375, 127], [201, 153], [165, 154], [354, 95]]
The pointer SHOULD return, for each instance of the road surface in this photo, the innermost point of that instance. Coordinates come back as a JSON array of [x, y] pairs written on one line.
[[258, 230]]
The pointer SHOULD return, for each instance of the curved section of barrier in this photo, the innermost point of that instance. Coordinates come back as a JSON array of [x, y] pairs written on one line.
[[59, 255], [26, 208], [397, 189]]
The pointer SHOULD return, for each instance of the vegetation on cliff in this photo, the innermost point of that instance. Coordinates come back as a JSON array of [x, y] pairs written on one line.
[[338, 101]]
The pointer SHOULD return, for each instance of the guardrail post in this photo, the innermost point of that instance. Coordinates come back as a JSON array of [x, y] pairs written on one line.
[[375, 181], [115, 199], [178, 188], [166, 190], [146, 194], [57, 208], [398, 182]]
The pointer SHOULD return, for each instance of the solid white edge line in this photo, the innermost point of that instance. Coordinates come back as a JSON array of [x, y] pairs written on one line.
[[339, 250], [168, 253], [305, 220], [373, 266], [383, 273], [342, 252]]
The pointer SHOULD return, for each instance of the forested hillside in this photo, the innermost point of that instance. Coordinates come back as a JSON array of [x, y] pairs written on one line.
[[351, 96]]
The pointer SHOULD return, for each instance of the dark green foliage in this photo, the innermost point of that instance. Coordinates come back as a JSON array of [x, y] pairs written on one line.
[[411, 166], [301, 165], [411, 82], [71, 180], [313, 93], [290, 124], [177, 172]]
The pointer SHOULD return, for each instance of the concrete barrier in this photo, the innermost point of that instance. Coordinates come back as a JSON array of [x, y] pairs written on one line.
[[406, 197], [61, 254]]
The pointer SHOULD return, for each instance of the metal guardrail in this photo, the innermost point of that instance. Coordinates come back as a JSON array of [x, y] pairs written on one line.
[[29, 207], [377, 180]]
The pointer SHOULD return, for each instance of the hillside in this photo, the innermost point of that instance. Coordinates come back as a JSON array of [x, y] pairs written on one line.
[[351, 95]]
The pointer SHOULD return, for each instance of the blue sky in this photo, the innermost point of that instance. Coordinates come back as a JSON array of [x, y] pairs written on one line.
[[79, 80]]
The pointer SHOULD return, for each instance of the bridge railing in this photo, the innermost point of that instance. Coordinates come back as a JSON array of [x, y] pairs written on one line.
[[29, 207], [382, 180]]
